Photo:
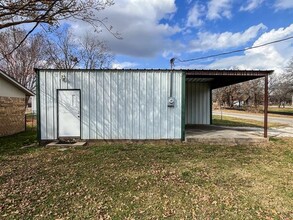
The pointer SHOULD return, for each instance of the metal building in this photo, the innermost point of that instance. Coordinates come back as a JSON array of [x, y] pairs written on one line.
[[127, 104]]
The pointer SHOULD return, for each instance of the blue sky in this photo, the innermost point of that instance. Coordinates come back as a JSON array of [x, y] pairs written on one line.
[[154, 31]]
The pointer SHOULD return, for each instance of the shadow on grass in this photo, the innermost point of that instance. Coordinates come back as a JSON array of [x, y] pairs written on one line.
[[280, 112], [12, 145]]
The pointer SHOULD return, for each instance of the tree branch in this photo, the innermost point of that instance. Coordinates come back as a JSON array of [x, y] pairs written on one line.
[[28, 33]]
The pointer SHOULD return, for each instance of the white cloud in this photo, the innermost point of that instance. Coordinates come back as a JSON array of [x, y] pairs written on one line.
[[194, 16], [283, 4], [274, 56], [219, 8], [138, 21], [124, 65], [214, 41], [251, 5]]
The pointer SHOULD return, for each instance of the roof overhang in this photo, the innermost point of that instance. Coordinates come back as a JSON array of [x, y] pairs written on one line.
[[222, 78], [16, 84], [217, 78]]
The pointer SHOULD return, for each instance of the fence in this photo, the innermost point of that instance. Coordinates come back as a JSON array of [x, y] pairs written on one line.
[[30, 121]]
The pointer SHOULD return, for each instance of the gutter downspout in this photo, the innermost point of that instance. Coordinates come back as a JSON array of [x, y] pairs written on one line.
[[171, 77], [171, 99]]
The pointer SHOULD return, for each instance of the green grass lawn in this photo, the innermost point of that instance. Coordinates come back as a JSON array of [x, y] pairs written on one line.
[[238, 122], [150, 181], [281, 111]]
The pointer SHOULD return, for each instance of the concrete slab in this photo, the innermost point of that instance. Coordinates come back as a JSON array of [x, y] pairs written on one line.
[[220, 135], [56, 144], [276, 132]]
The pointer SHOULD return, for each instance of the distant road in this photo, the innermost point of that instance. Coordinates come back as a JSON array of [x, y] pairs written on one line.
[[257, 117]]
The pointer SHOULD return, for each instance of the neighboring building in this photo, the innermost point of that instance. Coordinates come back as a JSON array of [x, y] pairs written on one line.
[[12, 105], [128, 104], [32, 105]]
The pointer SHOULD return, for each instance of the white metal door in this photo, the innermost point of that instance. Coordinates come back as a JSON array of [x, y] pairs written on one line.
[[69, 113]]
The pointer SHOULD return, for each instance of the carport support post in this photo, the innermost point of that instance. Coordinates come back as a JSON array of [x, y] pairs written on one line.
[[266, 104]]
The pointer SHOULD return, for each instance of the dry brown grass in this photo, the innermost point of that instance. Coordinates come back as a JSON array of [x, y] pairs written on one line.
[[150, 181]]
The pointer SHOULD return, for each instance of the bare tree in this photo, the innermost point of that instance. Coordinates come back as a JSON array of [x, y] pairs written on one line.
[[51, 12], [289, 75], [16, 12], [229, 95], [94, 53], [68, 52], [21, 63], [61, 53], [247, 94], [282, 85], [256, 92]]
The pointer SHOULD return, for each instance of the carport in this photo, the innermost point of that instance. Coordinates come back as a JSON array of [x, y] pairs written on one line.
[[196, 107]]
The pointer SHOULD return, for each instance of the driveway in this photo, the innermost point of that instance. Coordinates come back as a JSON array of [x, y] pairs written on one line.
[[286, 131]]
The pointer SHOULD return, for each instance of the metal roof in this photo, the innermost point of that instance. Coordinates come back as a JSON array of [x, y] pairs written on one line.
[[222, 78], [16, 84], [216, 77], [190, 71], [223, 72]]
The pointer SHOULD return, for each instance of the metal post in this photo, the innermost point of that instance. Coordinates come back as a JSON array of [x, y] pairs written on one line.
[[266, 104], [25, 118]]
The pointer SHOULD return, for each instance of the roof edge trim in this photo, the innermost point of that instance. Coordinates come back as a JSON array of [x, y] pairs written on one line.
[[17, 84]]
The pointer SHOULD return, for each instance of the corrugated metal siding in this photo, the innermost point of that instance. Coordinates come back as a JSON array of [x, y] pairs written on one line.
[[197, 103], [115, 104]]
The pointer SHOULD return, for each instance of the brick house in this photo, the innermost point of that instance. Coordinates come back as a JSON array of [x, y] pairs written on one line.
[[12, 105]]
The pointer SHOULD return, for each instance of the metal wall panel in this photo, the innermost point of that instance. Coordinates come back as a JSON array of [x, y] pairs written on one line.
[[115, 104], [197, 103]]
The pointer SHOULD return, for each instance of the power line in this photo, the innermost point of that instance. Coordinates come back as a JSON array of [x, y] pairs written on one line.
[[233, 51]]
